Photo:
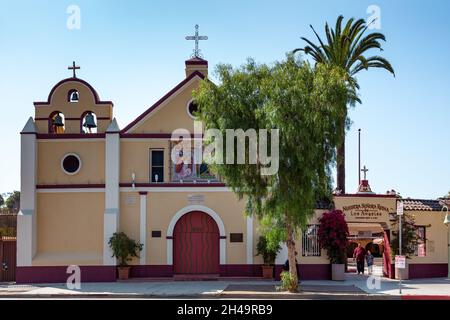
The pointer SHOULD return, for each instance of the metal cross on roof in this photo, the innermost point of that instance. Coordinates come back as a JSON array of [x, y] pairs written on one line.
[[74, 68], [365, 172], [196, 38]]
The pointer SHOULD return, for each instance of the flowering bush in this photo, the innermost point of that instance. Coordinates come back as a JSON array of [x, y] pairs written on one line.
[[333, 235]]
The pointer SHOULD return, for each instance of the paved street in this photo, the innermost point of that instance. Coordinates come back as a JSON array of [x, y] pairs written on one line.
[[355, 287]]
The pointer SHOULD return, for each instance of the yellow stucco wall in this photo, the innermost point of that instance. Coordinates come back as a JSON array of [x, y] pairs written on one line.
[[172, 114], [51, 152], [162, 206], [436, 234], [69, 229], [135, 157]]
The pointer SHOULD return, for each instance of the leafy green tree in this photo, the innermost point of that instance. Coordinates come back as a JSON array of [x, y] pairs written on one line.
[[2, 201], [346, 47], [13, 201], [305, 104]]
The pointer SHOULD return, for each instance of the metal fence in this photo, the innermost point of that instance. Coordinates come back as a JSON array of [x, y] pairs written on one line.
[[310, 243]]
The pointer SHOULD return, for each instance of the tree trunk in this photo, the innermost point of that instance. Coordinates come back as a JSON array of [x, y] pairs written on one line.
[[341, 161], [291, 257]]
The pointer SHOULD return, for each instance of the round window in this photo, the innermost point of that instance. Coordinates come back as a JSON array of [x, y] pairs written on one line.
[[71, 164], [192, 108]]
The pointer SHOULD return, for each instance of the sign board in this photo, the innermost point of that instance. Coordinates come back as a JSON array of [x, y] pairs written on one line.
[[400, 262], [399, 208]]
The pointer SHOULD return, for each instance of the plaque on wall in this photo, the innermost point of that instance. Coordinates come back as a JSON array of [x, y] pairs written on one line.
[[156, 234], [130, 200], [196, 198], [236, 237]]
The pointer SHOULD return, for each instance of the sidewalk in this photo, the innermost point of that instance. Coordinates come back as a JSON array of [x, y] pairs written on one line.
[[355, 287]]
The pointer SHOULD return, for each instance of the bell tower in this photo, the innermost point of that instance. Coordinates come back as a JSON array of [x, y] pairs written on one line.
[[73, 107]]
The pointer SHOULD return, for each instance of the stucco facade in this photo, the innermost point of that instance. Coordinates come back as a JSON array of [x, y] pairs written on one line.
[[71, 207]]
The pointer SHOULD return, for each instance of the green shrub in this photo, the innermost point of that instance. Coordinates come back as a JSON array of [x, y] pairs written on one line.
[[287, 282], [124, 248]]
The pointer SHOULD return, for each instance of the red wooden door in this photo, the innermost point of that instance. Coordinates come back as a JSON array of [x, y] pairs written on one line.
[[7, 259], [196, 244]]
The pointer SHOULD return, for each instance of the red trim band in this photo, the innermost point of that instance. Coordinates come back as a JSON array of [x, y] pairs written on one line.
[[153, 135], [68, 186], [174, 185], [366, 195], [71, 136]]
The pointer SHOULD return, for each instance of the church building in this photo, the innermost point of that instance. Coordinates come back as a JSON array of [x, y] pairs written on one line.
[[84, 178]]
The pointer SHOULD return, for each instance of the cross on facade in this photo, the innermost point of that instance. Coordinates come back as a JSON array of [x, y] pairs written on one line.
[[74, 68], [196, 38], [365, 172]]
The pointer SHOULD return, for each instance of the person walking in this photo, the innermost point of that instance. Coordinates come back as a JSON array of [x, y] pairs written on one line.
[[359, 254], [369, 260]]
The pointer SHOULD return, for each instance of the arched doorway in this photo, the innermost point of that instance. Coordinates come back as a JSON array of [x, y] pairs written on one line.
[[196, 244]]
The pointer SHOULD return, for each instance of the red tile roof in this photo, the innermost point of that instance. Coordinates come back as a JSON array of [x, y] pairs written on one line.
[[422, 205]]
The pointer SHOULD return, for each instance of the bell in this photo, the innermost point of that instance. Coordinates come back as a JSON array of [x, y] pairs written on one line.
[[447, 219], [74, 96], [89, 121], [57, 121]]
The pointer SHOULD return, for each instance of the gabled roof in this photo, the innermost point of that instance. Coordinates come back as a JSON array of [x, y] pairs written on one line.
[[422, 205], [160, 101]]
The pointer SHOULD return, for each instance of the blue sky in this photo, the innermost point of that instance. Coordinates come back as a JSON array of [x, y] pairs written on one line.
[[133, 52]]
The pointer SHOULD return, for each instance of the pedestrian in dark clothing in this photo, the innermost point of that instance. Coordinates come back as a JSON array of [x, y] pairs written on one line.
[[286, 265], [359, 255]]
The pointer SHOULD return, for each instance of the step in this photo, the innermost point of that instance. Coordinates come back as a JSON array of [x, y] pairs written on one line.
[[196, 277]]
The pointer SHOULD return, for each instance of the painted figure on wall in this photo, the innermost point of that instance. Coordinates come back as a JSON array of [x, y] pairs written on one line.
[[183, 169]]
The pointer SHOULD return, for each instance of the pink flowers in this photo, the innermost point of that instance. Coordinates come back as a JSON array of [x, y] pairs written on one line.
[[333, 235]]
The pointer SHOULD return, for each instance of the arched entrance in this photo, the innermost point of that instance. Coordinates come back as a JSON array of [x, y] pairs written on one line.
[[196, 244]]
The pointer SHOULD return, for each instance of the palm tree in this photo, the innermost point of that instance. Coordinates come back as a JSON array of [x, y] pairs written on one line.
[[346, 48]]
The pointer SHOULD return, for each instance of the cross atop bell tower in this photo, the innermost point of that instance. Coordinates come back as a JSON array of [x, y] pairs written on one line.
[[74, 68], [196, 38]]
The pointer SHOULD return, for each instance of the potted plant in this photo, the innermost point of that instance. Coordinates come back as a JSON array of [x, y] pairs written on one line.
[[333, 237], [124, 249], [410, 242], [269, 253]]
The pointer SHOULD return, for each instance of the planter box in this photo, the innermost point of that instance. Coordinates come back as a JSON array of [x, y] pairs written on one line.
[[267, 272], [402, 274], [338, 272], [124, 273]]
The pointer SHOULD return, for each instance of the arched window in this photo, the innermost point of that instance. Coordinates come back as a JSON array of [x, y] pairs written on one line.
[[88, 122], [56, 123], [73, 96]]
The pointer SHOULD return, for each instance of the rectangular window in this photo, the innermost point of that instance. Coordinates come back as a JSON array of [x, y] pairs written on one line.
[[310, 242], [157, 165], [420, 249]]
